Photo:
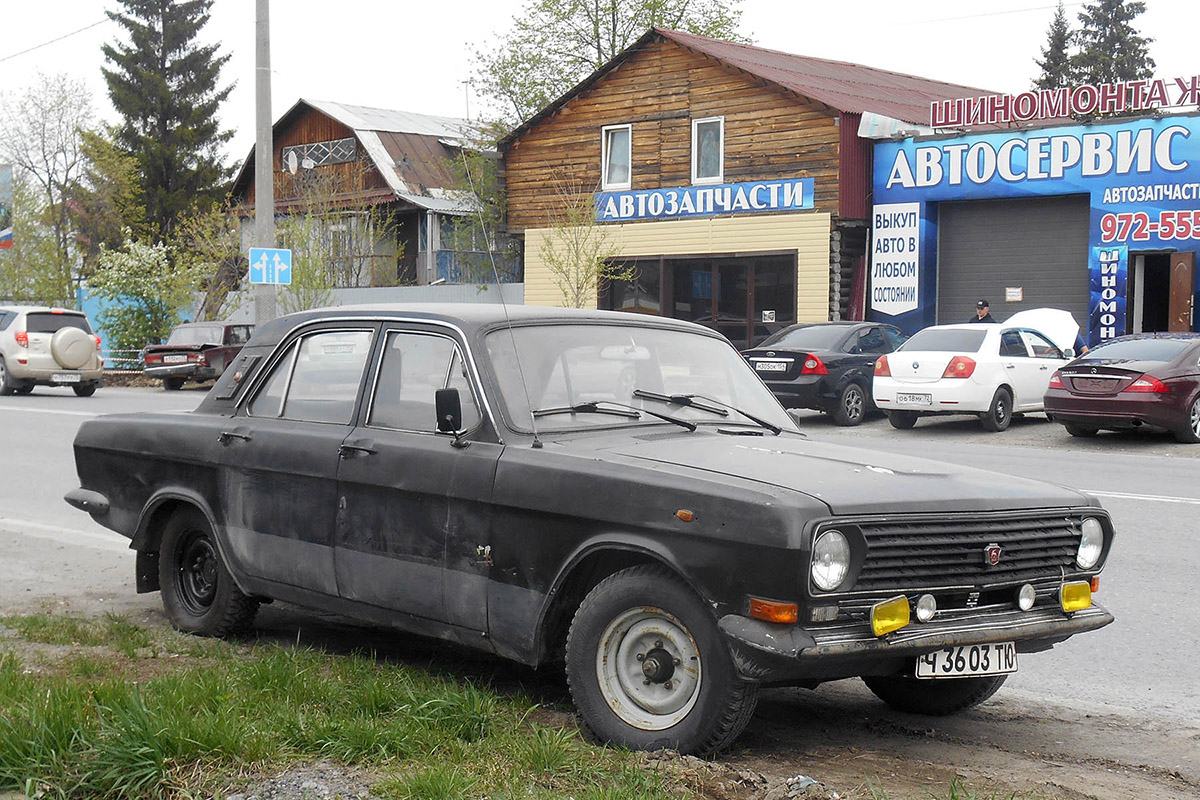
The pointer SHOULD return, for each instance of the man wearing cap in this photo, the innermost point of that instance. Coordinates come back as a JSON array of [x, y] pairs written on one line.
[[982, 313]]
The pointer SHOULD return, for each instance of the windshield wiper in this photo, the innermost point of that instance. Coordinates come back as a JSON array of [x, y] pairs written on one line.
[[717, 407], [621, 410]]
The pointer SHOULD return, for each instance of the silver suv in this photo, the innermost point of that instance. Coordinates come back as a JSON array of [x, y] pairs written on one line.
[[43, 346]]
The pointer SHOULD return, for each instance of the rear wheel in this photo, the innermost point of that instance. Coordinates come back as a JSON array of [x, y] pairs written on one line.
[[937, 698], [198, 593], [999, 416], [173, 384], [6, 381], [1079, 431], [84, 389], [1190, 434], [902, 420], [26, 389], [852, 405]]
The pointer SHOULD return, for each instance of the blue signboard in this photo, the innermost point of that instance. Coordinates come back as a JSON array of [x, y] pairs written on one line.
[[270, 265], [705, 201]]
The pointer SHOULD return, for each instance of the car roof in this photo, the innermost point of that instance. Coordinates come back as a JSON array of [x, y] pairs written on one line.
[[42, 309], [1155, 335]]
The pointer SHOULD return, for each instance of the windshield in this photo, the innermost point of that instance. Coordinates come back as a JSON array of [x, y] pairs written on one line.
[[200, 334], [569, 365], [808, 337], [1140, 350], [946, 340]]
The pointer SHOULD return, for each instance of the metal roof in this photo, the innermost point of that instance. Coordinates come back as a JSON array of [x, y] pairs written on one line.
[[391, 121]]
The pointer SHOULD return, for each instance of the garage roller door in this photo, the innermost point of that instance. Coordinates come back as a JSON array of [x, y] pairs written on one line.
[[1039, 245]]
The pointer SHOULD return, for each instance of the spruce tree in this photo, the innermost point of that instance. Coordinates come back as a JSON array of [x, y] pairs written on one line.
[[1056, 61], [1110, 48], [165, 86]]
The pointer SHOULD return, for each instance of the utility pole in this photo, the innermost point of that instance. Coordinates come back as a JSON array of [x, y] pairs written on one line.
[[264, 158]]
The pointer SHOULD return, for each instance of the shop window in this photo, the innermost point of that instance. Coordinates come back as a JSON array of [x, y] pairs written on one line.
[[708, 150], [616, 156]]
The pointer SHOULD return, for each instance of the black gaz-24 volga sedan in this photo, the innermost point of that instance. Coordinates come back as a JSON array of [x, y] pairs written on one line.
[[613, 492]]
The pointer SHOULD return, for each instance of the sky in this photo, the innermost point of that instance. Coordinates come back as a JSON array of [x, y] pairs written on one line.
[[416, 56]]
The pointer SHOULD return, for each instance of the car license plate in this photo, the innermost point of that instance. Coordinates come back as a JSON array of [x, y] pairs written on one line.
[[969, 660], [914, 399], [770, 366], [174, 359], [65, 377]]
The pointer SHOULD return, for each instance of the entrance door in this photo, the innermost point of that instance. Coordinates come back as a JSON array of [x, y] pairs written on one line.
[[746, 298], [1182, 287]]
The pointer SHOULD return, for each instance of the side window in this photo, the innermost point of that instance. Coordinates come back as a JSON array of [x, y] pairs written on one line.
[[1040, 346], [616, 156], [239, 334], [1011, 345], [871, 341], [269, 400], [325, 373], [5, 318], [895, 338], [414, 366], [708, 150]]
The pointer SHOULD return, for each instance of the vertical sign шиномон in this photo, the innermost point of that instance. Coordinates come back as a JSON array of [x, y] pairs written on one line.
[[1107, 272]]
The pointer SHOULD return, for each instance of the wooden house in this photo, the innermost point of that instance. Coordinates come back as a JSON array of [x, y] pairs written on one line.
[[731, 180]]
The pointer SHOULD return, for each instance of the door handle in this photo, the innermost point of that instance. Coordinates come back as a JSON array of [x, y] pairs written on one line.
[[1010, 366], [228, 436], [347, 450]]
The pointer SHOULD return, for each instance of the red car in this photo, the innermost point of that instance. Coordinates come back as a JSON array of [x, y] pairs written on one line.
[[1146, 380], [195, 351]]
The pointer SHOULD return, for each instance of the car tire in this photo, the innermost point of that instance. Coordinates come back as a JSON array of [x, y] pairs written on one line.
[[25, 389], [198, 593], [1191, 433], [646, 615], [7, 386], [938, 698], [902, 420], [999, 414], [173, 384], [851, 407], [84, 389], [1079, 431]]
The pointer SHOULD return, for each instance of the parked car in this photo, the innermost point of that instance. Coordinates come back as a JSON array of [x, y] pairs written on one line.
[[1147, 380], [44, 346], [677, 543], [195, 351], [825, 366], [992, 370]]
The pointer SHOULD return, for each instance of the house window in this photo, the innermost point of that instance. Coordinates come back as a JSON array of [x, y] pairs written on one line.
[[708, 150], [616, 156]]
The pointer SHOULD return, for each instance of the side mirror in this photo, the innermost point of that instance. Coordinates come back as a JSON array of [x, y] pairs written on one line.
[[449, 414], [1069, 352]]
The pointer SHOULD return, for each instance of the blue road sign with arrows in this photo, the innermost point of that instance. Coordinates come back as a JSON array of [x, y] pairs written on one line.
[[270, 265]]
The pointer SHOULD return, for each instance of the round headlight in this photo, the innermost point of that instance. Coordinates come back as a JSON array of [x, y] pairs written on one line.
[[830, 560], [1090, 543], [926, 607]]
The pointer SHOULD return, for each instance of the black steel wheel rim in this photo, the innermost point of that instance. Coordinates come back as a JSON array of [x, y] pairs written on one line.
[[196, 574], [1001, 410]]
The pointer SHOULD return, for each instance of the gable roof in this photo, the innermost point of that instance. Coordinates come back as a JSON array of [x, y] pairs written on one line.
[[407, 149], [841, 85]]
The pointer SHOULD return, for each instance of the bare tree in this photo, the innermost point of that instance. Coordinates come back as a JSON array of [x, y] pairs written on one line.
[[578, 251]]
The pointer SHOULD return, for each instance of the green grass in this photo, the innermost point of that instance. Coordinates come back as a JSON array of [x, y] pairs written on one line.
[[78, 727]]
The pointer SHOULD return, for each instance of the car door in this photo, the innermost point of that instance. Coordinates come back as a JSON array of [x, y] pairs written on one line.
[[279, 458], [1047, 358], [1019, 369], [414, 507], [869, 345]]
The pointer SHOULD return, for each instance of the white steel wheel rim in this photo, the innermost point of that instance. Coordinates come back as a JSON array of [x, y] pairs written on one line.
[[649, 697]]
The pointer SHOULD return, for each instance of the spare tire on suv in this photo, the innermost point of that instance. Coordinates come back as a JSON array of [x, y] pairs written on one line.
[[72, 348]]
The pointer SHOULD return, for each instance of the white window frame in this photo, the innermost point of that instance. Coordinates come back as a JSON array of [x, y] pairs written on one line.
[[605, 183], [720, 176]]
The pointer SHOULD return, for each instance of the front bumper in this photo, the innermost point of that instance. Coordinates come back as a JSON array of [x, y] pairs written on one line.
[[769, 652]]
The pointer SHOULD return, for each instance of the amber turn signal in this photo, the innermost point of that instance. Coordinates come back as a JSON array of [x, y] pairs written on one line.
[[685, 515], [1095, 585], [890, 615], [774, 611], [1075, 596]]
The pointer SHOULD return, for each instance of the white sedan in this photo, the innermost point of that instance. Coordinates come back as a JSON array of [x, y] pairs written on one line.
[[993, 370]]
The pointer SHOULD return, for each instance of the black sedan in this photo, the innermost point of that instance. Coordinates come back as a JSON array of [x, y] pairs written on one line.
[[825, 366], [613, 494], [1147, 380]]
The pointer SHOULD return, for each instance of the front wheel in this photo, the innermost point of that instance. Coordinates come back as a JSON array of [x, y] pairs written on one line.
[[936, 698], [999, 415], [1190, 434], [198, 593], [649, 670], [902, 420], [852, 405]]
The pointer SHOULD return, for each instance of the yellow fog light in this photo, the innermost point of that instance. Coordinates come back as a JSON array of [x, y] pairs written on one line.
[[1075, 596], [890, 615]]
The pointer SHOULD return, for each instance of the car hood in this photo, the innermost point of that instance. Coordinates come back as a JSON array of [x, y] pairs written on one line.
[[848, 479], [1057, 325]]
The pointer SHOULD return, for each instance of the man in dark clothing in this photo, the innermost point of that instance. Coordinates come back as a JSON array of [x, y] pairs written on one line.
[[982, 313]]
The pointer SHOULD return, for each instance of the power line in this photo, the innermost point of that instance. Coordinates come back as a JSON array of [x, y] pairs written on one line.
[[52, 41], [995, 13]]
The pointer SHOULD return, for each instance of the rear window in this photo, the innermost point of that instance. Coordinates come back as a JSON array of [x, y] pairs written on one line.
[[1141, 350], [45, 322], [955, 340], [809, 337], [204, 334]]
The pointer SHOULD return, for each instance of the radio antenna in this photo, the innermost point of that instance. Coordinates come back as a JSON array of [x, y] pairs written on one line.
[[487, 243]]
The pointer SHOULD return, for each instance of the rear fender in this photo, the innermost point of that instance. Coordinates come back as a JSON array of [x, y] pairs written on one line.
[[148, 536]]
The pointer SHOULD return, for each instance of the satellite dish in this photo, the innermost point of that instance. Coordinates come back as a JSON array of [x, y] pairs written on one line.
[[292, 161]]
